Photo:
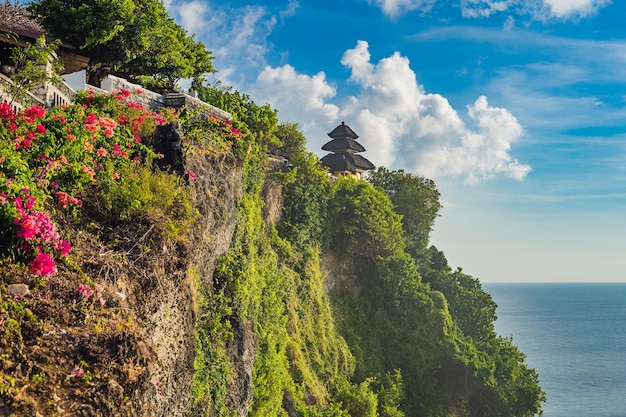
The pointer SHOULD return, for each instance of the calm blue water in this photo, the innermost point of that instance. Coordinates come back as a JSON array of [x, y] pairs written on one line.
[[574, 335]]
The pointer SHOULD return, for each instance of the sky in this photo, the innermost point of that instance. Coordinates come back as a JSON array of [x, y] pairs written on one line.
[[516, 108]]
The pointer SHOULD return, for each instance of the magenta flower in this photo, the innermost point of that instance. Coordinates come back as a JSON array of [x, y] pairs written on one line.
[[42, 265], [28, 227], [63, 247]]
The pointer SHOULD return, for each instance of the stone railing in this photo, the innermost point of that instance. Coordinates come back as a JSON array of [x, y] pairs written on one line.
[[62, 94], [147, 98], [154, 100], [16, 105], [59, 94], [194, 105]]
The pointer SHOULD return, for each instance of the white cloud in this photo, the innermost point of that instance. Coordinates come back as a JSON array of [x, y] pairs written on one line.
[[538, 9], [290, 10], [192, 14], [509, 24], [299, 98], [404, 127], [395, 8], [575, 8], [483, 8]]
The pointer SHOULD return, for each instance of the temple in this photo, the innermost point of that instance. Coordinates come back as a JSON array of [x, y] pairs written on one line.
[[344, 159]]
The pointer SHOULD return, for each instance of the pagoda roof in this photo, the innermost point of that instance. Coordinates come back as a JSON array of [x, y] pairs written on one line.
[[343, 131], [346, 162], [344, 144]]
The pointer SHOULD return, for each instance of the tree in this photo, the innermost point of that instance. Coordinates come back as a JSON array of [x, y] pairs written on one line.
[[415, 198], [35, 67], [292, 140], [260, 121], [134, 39]]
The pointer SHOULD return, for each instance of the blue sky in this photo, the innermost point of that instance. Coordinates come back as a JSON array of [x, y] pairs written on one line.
[[517, 109]]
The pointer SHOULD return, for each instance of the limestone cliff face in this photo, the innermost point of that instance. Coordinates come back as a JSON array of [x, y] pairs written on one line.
[[167, 310]]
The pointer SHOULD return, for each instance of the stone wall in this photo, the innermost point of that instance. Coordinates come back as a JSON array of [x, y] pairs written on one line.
[[154, 100], [147, 98]]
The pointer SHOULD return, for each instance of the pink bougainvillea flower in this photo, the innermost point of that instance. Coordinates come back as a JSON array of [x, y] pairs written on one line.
[[42, 265], [102, 152], [6, 112], [77, 373], [30, 202], [76, 201], [28, 227], [90, 119], [35, 112], [63, 247], [84, 291], [41, 129]]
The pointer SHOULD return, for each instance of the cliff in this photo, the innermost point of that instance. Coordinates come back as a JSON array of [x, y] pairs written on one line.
[[201, 281]]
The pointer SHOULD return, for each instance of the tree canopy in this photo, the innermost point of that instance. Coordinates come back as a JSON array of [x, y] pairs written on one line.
[[134, 39]]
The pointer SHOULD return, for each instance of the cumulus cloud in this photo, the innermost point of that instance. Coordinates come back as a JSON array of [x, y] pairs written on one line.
[[400, 125], [192, 14], [299, 98], [405, 127]]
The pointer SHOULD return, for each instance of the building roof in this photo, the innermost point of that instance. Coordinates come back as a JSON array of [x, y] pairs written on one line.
[[345, 148], [18, 20], [344, 144], [343, 131], [346, 162]]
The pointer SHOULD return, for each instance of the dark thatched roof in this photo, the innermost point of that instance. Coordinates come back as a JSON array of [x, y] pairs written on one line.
[[346, 162], [343, 131], [343, 145]]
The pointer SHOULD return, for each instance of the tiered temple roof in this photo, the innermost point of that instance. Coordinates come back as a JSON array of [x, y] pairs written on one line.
[[344, 148]]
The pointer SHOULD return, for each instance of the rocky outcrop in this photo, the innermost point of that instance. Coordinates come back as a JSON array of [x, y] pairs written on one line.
[[167, 141]]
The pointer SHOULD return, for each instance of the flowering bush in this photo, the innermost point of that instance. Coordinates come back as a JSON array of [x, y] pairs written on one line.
[[205, 135], [48, 157]]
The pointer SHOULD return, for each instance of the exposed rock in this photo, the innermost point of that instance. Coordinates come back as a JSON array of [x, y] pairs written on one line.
[[18, 290], [241, 351], [272, 196], [340, 278], [167, 140], [288, 404]]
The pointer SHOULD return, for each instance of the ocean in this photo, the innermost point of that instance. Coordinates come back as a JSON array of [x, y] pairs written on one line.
[[574, 335]]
